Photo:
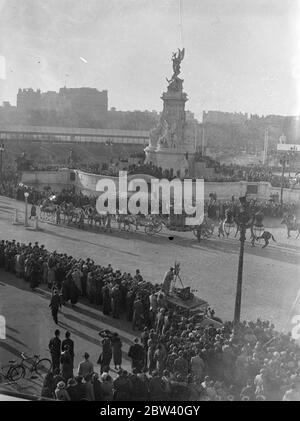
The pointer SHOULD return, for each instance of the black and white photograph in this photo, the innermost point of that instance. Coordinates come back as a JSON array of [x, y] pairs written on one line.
[[149, 204]]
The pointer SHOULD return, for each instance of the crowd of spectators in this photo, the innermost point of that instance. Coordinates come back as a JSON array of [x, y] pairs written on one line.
[[177, 357]]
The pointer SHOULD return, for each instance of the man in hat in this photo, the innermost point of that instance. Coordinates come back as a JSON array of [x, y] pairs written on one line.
[[55, 304]]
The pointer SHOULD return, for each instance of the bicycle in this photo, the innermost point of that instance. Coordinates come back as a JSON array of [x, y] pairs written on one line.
[[13, 372], [31, 364]]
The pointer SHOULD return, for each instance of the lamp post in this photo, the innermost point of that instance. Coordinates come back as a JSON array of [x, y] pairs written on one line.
[[243, 219], [1, 162], [283, 162], [26, 194]]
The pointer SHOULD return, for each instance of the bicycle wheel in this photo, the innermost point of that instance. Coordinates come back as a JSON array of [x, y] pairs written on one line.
[[43, 367], [16, 373]]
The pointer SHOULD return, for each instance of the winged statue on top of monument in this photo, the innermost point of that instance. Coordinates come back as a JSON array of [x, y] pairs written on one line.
[[175, 83], [177, 58]]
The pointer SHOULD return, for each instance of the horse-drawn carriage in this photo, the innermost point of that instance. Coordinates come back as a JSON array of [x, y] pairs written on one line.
[[53, 211]]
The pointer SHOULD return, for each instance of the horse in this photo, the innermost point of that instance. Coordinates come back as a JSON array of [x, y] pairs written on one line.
[[126, 220], [47, 210], [93, 217], [291, 225], [266, 235], [205, 230], [74, 215]]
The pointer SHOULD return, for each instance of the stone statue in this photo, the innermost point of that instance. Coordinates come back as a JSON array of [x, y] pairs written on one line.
[[177, 59], [164, 138], [175, 83]]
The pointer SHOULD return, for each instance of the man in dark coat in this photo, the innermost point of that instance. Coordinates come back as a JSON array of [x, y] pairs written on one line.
[[106, 300], [115, 299], [106, 355], [137, 313], [116, 350], [121, 387], [55, 304], [68, 341], [55, 350], [137, 354], [59, 276], [129, 305]]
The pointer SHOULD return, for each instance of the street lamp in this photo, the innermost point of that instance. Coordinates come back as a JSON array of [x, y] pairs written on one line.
[[1, 161], [26, 194], [243, 219], [283, 162]]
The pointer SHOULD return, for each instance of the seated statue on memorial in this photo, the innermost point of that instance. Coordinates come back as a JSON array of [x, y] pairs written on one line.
[[165, 137]]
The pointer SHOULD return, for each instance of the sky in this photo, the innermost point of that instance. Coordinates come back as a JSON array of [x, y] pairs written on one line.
[[240, 55]]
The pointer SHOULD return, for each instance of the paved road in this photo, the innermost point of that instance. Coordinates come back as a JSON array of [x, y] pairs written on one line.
[[270, 282]]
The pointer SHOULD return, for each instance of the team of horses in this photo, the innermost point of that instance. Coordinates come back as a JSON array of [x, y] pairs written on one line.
[[69, 214]]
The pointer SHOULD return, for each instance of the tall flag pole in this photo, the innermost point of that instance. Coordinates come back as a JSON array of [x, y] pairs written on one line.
[[180, 24]]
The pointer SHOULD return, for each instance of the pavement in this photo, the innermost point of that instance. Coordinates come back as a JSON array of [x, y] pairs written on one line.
[[270, 280]]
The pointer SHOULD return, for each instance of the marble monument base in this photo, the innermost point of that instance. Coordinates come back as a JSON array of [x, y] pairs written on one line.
[[169, 158]]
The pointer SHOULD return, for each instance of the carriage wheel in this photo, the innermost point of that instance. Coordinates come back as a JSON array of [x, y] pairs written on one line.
[[208, 233], [157, 227]]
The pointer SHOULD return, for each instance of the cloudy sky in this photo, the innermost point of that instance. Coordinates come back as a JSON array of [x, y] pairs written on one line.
[[241, 55]]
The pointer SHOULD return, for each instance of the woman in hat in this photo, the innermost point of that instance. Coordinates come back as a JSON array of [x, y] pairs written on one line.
[[66, 362], [60, 392]]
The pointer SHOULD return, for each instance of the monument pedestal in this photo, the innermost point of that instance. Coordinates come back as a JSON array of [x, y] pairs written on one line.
[[171, 159], [171, 144]]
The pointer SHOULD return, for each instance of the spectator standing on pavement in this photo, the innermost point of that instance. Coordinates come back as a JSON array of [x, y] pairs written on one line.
[[66, 364], [85, 367], [80, 389], [55, 304], [48, 387], [106, 355], [116, 350], [89, 388], [107, 387], [137, 354], [55, 350], [68, 341], [138, 310]]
